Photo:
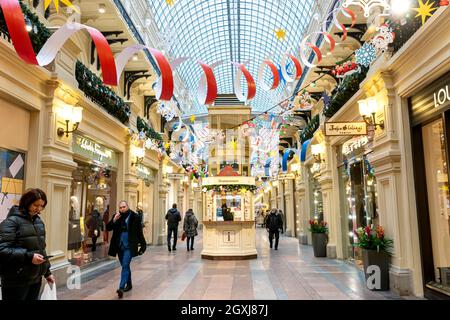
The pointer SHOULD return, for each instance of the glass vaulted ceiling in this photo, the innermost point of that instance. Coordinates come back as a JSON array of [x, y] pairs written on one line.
[[231, 30]]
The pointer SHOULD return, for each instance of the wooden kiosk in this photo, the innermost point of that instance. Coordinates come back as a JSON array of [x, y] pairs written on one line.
[[229, 184]]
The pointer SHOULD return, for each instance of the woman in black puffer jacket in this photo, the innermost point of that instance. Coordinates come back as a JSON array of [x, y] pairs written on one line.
[[23, 259]]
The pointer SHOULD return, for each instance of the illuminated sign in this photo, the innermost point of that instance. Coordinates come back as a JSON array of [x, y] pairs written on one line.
[[345, 128], [144, 172], [354, 144], [441, 97], [94, 151]]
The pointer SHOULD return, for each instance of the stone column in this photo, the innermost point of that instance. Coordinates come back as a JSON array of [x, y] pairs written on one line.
[[131, 182], [289, 205], [302, 208], [330, 189], [160, 198], [56, 177], [390, 171]]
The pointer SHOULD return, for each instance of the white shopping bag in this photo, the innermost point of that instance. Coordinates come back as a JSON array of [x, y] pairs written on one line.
[[49, 292]]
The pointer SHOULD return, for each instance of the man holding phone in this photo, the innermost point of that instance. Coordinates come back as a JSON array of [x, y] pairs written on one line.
[[126, 238]]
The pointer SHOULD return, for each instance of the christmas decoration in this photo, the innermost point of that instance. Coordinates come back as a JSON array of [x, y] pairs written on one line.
[[192, 118], [345, 69], [280, 34], [170, 2], [231, 188], [56, 2], [384, 37], [311, 127], [305, 101], [424, 10], [367, 5], [365, 55]]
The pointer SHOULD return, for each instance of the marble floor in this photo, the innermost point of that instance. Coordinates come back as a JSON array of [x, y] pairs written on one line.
[[292, 272]]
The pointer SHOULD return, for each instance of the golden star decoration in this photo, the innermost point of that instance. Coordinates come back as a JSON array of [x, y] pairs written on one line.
[[170, 2], [280, 34], [424, 10], [192, 118], [167, 145], [56, 2], [233, 145]]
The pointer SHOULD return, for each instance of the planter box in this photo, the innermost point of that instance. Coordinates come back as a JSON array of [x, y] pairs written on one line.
[[378, 281], [319, 241]]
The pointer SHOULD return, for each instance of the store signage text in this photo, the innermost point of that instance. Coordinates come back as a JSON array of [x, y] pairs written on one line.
[[441, 97], [354, 144], [176, 176], [287, 176], [144, 172], [95, 148], [345, 128]]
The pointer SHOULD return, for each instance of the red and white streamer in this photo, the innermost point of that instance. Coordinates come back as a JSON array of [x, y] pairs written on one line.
[[251, 85], [275, 75], [298, 68], [207, 87], [164, 85]]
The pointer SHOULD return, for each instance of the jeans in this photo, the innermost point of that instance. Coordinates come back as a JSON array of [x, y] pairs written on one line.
[[125, 260], [169, 236], [29, 293], [191, 239], [275, 233]]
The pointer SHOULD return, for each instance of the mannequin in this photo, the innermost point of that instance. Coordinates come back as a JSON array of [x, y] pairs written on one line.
[[75, 238], [96, 222]]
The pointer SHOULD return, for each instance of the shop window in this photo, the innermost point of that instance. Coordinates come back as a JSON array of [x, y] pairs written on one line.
[[93, 197], [358, 201], [12, 175], [436, 168]]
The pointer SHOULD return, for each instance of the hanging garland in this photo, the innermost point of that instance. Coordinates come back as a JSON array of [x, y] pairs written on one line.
[[231, 188]]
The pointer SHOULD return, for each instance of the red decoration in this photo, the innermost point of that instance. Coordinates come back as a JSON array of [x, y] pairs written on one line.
[[211, 84], [443, 3]]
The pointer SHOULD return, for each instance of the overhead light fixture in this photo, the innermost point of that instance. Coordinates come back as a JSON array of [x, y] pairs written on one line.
[[138, 154], [317, 150], [101, 8], [28, 25], [135, 57]]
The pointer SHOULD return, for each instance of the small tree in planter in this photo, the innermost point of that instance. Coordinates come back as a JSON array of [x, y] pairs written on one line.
[[319, 232], [376, 254]]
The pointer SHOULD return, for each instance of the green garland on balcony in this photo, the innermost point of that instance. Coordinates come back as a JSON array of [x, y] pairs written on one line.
[[310, 128], [344, 92], [231, 188], [39, 35], [94, 89], [143, 126], [404, 29]]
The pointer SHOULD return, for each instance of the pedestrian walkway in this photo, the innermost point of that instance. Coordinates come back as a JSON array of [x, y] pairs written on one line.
[[292, 272]]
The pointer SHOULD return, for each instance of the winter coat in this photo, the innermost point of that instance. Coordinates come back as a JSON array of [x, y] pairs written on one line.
[[94, 222], [190, 224], [21, 236], [135, 234], [173, 217], [274, 222]]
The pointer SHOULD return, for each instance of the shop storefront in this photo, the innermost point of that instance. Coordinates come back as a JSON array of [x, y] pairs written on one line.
[[316, 199], [145, 194], [430, 122], [358, 196], [92, 202], [13, 151]]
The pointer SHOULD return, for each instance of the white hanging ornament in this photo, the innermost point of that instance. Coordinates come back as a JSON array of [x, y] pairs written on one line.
[[367, 5], [384, 37]]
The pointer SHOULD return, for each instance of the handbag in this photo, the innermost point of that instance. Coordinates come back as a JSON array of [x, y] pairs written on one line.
[[183, 236]]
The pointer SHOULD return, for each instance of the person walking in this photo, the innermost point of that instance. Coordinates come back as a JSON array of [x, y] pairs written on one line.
[[190, 228], [274, 224], [173, 217], [23, 258], [126, 238]]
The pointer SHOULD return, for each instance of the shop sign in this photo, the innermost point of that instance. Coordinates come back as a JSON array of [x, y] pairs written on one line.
[[354, 144], [144, 172], [175, 176], [345, 128], [92, 150], [441, 97], [287, 176], [211, 181]]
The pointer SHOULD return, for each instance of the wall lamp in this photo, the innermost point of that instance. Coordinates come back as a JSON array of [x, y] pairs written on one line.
[[317, 150], [138, 154], [70, 114], [368, 110]]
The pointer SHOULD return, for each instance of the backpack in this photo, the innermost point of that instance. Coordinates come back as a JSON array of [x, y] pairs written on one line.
[[273, 222]]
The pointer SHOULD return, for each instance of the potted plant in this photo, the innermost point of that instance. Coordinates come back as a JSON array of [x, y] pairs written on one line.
[[376, 253], [319, 237]]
